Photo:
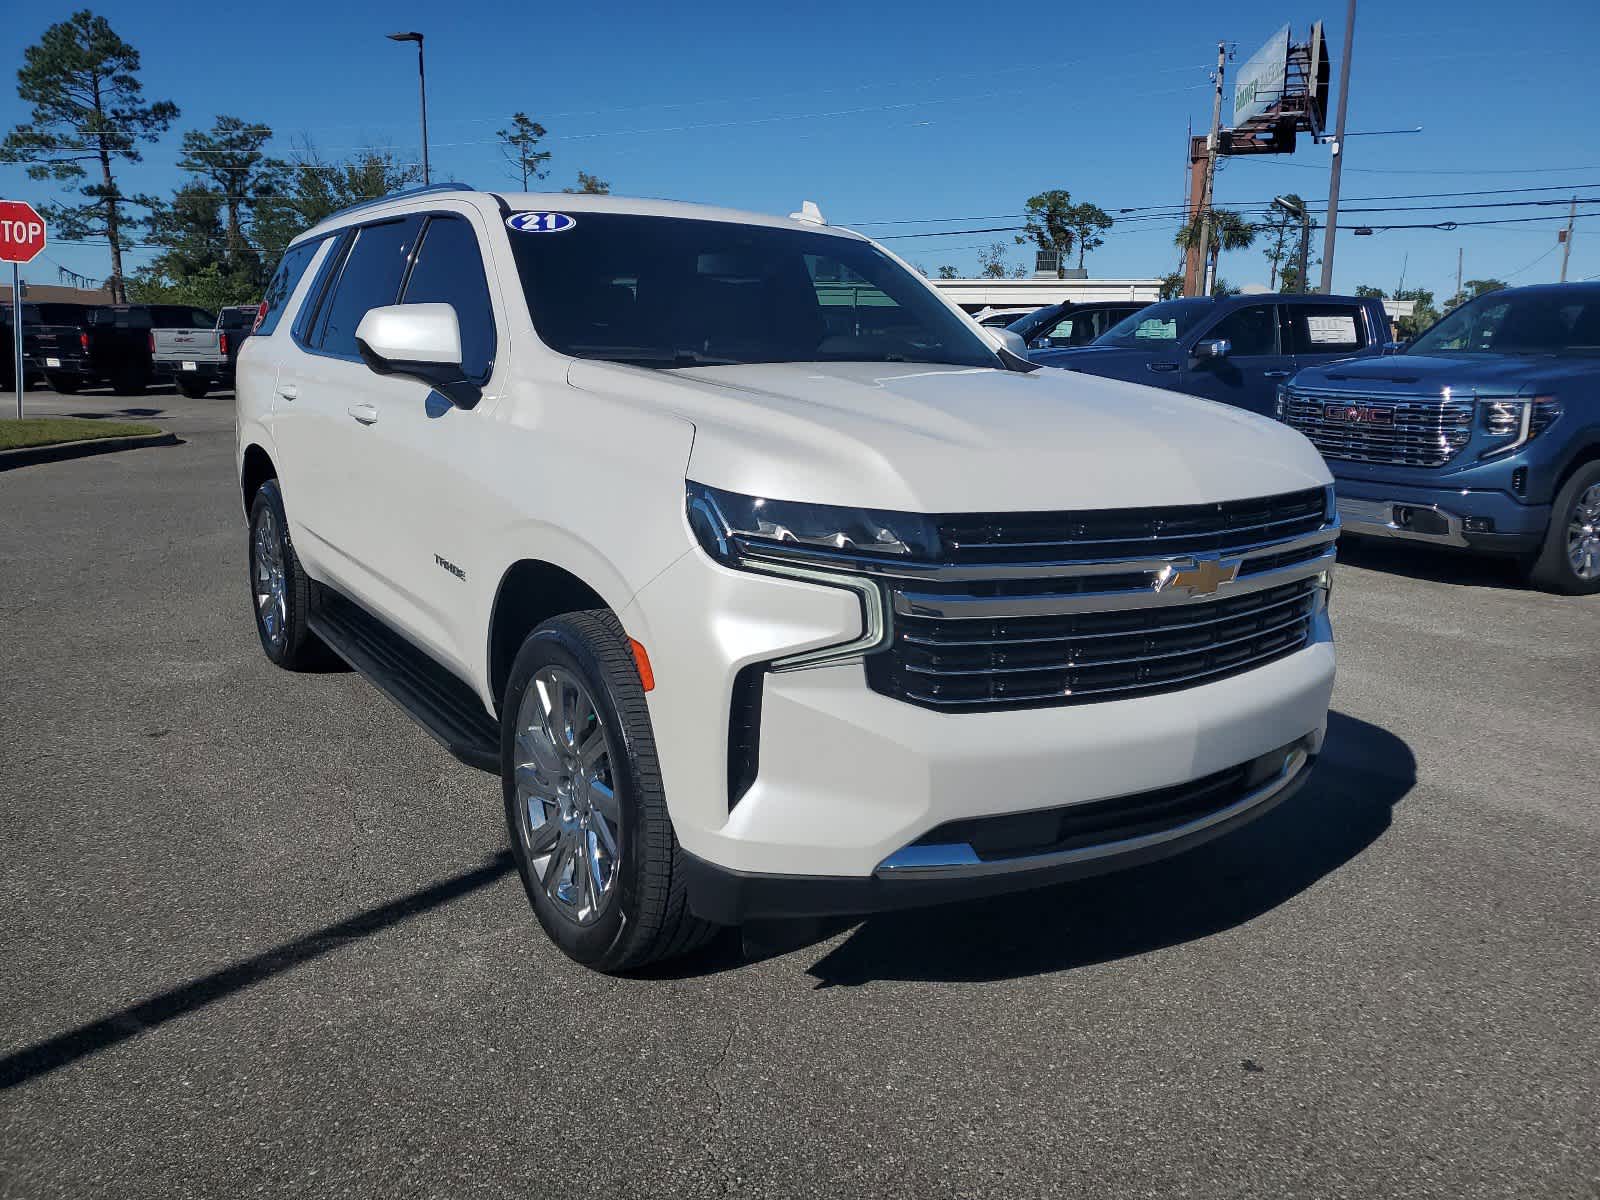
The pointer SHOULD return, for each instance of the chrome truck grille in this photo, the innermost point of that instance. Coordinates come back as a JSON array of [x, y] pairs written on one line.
[[1041, 609], [1401, 431]]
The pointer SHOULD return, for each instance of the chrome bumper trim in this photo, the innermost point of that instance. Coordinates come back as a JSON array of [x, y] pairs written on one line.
[[959, 859], [1375, 518]]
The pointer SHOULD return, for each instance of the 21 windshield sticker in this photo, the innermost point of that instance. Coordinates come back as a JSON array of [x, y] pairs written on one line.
[[540, 222]]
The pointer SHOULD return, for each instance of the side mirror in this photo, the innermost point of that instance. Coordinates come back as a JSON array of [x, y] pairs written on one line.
[[1010, 340], [1212, 349], [1395, 347], [420, 341]]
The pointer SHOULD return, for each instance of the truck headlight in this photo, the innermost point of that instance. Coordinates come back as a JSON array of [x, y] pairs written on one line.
[[734, 527], [1515, 421]]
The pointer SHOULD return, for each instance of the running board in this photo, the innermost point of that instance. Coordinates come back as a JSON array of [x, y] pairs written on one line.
[[431, 695]]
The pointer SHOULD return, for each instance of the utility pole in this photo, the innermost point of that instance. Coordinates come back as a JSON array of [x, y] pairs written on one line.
[[1338, 150], [1211, 172], [1304, 284], [1566, 249]]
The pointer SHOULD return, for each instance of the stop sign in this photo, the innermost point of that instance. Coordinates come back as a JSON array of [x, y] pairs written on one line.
[[21, 232]]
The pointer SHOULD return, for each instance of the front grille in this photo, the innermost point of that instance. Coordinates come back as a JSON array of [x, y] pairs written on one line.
[[1410, 432], [1045, 609]]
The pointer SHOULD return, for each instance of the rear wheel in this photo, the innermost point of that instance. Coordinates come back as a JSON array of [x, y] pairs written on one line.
[[585, 806], [65, 384], [193, 388], [1569, 560], [280, 591]]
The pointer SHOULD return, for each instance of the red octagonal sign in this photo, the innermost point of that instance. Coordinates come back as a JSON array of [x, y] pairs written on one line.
[[22, 235]]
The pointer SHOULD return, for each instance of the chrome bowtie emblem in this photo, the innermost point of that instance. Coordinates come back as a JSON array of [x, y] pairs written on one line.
[[1203, 577]]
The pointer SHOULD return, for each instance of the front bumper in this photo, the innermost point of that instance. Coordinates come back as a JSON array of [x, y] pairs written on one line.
[[1464, 518], [848, 778], [936, 874]]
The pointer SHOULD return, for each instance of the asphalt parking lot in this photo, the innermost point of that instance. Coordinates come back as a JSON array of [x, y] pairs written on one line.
[[260, 935]]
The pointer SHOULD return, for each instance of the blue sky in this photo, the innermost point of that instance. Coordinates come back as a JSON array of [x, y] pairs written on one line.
[[896, 111]]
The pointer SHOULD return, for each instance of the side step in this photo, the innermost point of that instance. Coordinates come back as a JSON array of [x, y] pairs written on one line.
[[431, 695]]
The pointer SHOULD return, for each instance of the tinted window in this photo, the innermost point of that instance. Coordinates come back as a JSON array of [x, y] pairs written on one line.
[[1158, 326], [1557, 320], [1327, 328], [284, 280], [449, 270], [238, 318], [1252, 329], [668, 292], [370, 279], [61, 314], [175, 316], [128, 318]]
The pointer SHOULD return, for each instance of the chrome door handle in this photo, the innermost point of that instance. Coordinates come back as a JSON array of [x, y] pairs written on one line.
[[367, 414], [288, 391], [1275, 374]]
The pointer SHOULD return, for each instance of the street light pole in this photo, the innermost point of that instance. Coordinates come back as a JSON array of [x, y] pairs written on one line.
[[422, 90], [1338, 150]]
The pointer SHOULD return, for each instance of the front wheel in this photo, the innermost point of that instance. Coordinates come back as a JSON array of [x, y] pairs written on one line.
[[1569, 560], [585, 806]]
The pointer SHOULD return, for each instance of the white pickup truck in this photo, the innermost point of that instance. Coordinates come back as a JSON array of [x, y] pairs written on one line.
[[766, 582], [198, 360]]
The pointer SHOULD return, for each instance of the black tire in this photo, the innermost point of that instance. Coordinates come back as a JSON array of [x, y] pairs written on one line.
[[288, 642], [65, 384], [1551, 570], [644, 916], [195, 389]]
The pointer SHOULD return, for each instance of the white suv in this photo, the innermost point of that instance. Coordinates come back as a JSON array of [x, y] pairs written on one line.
[[766, 583]]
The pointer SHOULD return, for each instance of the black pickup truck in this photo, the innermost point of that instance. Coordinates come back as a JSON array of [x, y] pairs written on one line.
[[35, 316], [108, 343]]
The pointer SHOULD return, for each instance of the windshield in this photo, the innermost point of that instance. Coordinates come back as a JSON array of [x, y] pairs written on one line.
[[1158, 327], [1560, 321], [667, 292]]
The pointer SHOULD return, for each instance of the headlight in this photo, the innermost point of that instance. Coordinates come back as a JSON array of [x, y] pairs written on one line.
[[733, 527], [1281, 403], [1516, 421]]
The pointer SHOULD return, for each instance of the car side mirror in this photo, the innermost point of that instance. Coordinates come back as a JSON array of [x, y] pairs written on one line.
[[1395, 347], [1211, 349], [1011, 340], [419, 341]]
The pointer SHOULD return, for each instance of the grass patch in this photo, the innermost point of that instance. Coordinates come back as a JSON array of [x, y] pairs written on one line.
[[52, 431]]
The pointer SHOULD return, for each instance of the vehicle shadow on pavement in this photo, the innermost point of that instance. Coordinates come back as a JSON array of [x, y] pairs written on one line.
[[1362, 773], [117, 413], [43, 1057], [1416, 561]]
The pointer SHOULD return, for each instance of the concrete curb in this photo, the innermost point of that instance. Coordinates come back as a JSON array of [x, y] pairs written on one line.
[[27, 456]]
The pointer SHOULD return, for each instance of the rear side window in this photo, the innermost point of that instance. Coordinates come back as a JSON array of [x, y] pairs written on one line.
[[1251, 330], [449, 270], [285, 279], [370, 278], [1327, 328]]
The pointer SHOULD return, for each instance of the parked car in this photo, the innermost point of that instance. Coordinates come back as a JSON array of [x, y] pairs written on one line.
[[760, 605], [1483, 434], [1057, 326], [198, 360], [998, 318], [37, 318], [1235, 349], [113, 346]]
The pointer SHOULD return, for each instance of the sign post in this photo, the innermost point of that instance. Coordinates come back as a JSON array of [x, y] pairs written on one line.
[[22, 239]]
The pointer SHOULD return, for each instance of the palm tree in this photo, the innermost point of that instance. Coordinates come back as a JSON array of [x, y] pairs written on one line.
[[1229, 231]]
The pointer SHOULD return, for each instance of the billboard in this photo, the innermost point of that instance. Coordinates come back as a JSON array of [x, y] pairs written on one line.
[[1260, 82]]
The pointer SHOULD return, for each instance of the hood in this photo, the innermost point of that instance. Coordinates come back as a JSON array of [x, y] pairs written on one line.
[[1116, 361], [1410, 374], [924, 438]]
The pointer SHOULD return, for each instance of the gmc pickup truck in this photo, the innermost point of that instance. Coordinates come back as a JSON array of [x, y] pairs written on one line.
[[1482, 435], [109, 343], [1234, 349], [763, 580], [198, 360]]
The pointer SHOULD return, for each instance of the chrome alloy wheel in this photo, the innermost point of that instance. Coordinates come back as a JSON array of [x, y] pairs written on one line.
[[1583, 535], [567, 814], [270, 578]]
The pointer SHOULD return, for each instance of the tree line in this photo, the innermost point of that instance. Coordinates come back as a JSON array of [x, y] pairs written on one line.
[[220, 233]]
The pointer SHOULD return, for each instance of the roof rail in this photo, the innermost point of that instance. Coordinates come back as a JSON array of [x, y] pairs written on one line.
[[402, 194]]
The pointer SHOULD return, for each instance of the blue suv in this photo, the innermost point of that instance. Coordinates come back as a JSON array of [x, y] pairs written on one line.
[[1483, 434], [1234, 349]]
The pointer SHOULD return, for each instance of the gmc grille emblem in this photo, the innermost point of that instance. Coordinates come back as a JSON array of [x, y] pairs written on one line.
[[1358, 414]]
